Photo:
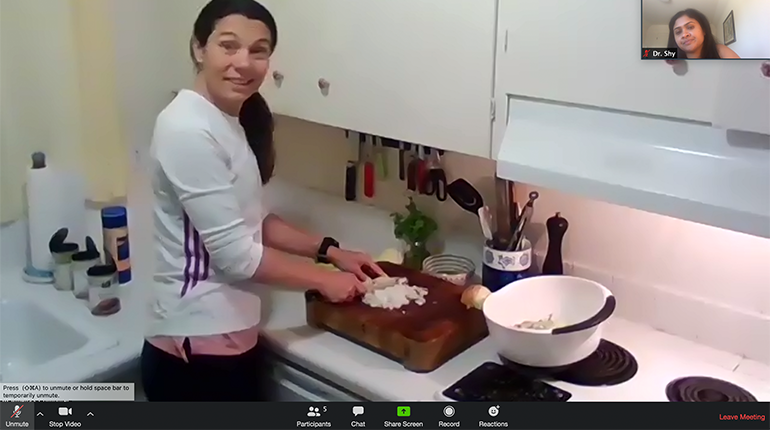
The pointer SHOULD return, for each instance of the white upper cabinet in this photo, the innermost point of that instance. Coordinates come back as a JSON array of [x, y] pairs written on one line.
[[420, 71], [589, 52], [290, 88]]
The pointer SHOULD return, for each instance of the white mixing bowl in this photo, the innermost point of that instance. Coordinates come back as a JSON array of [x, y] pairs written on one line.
[[578, 307]]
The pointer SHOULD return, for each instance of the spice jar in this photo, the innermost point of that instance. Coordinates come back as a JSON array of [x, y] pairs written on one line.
[[62, 258], [81, 262], [103, 291]]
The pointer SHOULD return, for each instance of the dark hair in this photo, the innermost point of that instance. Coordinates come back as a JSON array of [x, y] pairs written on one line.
[[257, 122], [709, 41], [255, 116]]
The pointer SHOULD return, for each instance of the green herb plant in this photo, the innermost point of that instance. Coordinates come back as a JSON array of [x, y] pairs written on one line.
[[414, 228]]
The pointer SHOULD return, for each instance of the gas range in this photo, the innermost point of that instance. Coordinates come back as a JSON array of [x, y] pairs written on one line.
[[644, 368]]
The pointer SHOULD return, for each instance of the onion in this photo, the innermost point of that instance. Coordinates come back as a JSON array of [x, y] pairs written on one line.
[[395, 297]]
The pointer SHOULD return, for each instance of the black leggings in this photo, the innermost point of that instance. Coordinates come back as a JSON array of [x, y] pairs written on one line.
[[205, 378]]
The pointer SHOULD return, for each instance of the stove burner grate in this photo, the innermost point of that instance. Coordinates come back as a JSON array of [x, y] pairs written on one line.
[[609, 365], [705, 389], [493, 382]]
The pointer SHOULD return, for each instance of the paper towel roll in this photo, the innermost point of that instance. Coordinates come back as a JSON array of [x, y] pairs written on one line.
[[55, 199]]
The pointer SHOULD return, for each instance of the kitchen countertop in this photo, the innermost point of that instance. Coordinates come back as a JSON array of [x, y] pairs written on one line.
[[661, 357]]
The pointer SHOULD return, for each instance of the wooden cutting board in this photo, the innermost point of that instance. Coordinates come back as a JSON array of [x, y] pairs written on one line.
[[422, 338]]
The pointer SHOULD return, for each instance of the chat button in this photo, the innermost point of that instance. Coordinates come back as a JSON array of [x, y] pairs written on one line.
[[358, 410]]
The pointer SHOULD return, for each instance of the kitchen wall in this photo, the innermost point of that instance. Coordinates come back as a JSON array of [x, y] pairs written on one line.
[[58, 94], [154, 61], [85, 86], [699, 282], [752, 26], [656, 36], [37, 85]]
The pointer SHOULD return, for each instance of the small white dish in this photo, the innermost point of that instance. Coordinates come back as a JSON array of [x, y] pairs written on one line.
[[452, 268]]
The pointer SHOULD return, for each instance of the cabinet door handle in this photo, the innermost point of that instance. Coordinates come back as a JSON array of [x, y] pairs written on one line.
[[765, 69]]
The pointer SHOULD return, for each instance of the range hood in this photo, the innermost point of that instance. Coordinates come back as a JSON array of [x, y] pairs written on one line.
[[685, 170]]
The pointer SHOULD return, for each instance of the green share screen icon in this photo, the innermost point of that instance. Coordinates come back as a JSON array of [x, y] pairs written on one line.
[[404, 411]]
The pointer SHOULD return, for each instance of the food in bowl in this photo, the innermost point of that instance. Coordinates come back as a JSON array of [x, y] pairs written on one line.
[[541, 324]]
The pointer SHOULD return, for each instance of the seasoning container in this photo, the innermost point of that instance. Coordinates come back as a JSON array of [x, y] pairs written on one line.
[[103, 292], [556, 227], [116, 246], [62, 252], [81, 262]]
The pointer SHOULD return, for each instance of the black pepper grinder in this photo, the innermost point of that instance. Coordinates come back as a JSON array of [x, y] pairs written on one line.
[[557, 228]]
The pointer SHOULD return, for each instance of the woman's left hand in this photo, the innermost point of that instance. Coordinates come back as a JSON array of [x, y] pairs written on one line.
[[354, 262]]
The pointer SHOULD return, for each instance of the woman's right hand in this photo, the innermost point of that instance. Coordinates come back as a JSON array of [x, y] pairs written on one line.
[[340, 286]]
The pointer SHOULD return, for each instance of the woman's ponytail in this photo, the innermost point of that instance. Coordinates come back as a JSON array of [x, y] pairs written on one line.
[[257, 121]]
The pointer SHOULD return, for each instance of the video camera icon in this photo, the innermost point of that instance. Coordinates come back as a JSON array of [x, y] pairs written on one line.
[[63, 412]]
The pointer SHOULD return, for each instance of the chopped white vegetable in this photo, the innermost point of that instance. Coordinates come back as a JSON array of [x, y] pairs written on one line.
[[541, 324], [395, 297]]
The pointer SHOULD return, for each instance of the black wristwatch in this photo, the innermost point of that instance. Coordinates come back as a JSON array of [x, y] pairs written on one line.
[[323, 250]]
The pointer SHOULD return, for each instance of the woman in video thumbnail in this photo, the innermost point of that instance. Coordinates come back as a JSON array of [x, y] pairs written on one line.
[[690, 32]]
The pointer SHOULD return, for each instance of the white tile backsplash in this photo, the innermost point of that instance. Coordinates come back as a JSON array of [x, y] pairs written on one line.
[[706, 284]]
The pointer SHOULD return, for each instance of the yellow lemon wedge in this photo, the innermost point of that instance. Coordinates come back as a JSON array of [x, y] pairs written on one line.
[[391, 255]]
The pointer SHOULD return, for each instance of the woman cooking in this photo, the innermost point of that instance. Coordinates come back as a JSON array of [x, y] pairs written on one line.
[[212, 152]]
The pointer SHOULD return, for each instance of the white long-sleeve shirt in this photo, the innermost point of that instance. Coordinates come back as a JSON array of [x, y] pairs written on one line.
[[208, 221]]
